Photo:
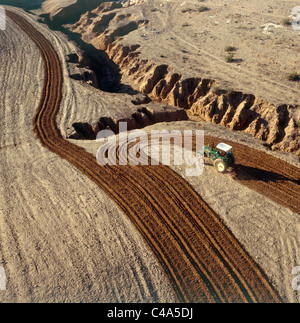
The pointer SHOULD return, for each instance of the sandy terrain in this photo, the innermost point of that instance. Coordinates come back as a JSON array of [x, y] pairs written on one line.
[[61, 238], [263, 58], [73, 224], [201, 258], [176, 54], [268, 231]]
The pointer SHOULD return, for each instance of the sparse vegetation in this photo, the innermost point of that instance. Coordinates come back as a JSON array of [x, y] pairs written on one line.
[[187, 10], [203, 8], [200, 9], [229, 48], [215, 89], [229, 58], [293, 77], [229, 91], [286, 21]]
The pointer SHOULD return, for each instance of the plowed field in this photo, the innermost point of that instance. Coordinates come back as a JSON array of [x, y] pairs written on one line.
[[268, 175], [203, 261]]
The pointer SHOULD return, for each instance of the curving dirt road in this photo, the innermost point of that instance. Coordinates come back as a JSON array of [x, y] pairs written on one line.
[[203, 261]]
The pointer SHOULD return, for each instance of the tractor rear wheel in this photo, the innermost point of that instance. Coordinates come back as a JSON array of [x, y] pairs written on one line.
[[220, 165]]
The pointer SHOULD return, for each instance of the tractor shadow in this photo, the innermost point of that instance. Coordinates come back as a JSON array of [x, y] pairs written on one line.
[[247, 173]]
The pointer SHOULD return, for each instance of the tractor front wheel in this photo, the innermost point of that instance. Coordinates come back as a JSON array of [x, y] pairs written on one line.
[[220, 165]]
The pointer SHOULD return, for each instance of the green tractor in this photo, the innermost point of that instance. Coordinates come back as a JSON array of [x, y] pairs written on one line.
[[221, 156]]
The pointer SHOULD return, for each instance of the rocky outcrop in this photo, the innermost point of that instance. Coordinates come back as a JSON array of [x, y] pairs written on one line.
[[79, 69], [235, 110], [105, 24], [201, 98], [68, 11], [144, 116]]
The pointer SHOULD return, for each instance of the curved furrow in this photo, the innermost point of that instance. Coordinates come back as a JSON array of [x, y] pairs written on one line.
[[201, 258], [203, 230]]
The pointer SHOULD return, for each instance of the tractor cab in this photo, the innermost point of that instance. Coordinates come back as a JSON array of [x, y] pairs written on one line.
[[223, 148]]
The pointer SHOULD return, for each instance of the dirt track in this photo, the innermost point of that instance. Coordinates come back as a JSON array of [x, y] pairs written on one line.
[[201, 258]]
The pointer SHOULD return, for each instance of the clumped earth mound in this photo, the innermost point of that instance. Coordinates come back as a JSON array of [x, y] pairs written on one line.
[[79, 68], [143, 117], [106, 23], [106, 27]]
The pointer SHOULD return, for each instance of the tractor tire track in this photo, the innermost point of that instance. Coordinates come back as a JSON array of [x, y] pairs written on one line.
[[201, 258], [266, 174]]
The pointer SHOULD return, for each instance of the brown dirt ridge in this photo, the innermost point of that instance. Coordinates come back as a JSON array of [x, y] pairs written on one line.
[[202, 259]]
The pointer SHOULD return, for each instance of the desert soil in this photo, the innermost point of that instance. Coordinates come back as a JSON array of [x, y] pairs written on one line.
[[73, 224], [199, 255], [194, 43], [267, 230], [62, 238], [176, 52]]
